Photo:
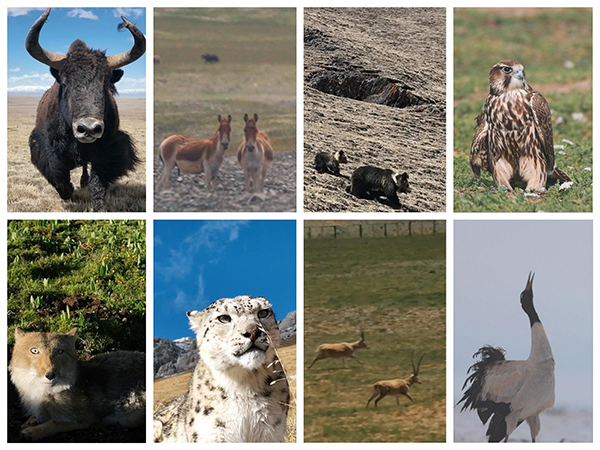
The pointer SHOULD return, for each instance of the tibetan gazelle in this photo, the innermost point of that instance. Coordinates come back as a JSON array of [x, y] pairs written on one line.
[[396, 387], [342, 350]]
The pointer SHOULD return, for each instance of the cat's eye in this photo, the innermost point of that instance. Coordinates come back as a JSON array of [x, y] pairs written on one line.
[[59, 351], [35, 351], [224, 318], [263, 313], [507, 69]]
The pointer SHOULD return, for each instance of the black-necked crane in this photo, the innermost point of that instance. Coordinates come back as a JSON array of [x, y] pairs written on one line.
[[510, 392]]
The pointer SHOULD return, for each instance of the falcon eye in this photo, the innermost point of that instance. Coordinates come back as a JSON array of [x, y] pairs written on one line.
[[263, 313], [507, 69], [35, 351], [224, 318]]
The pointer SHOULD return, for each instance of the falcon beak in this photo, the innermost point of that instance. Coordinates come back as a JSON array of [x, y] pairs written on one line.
[[519, 74]]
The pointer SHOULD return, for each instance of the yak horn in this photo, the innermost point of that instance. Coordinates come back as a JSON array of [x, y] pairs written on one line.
[[138, 49], [32, 44]]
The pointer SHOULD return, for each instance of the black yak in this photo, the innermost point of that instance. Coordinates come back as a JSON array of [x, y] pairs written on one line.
[[77, 118]]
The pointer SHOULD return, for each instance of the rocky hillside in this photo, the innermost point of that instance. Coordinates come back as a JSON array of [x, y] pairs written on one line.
[[181, 355]]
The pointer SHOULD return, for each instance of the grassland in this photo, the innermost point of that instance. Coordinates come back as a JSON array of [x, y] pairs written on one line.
[[89, 274], [168, 389], [555, 46], [394, 288], [256, 72]]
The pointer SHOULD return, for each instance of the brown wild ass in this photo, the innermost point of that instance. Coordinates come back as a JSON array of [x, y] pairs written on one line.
[[396, 387], [194, 156], [255, 154], [342, 350]]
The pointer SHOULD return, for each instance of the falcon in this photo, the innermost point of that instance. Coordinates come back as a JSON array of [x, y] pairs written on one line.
[[513, 137]]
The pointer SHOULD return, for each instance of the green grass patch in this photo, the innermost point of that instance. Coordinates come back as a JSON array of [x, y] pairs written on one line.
[[75, 273], [555, 47], [256, 72], [394, 289]]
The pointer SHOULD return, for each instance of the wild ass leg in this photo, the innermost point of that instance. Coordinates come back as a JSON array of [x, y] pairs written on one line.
[[163, 178]]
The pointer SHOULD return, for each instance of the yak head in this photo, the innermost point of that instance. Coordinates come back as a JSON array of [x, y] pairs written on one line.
[[86, 78]]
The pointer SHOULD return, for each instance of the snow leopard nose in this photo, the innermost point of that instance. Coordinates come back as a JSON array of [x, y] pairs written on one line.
[[50, 376], [253, 335]]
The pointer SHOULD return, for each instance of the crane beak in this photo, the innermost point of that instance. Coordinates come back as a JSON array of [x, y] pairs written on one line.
[[529, 285]]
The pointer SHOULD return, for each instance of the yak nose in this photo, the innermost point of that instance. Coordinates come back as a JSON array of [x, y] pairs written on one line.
[[88, 129], [50, 376], [253, 334]]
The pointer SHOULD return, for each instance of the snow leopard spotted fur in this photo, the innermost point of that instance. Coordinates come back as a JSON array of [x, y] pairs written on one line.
[[238, 391]]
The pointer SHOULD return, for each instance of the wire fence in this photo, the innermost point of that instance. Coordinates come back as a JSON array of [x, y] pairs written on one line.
[[375, 229]]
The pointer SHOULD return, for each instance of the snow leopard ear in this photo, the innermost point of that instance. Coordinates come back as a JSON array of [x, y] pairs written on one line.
[[196, 319]]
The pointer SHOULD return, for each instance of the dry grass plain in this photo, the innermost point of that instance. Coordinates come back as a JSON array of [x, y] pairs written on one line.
[[28, 190], [168, 389]]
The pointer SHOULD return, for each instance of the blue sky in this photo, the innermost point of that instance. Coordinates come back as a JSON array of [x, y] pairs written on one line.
[[198, 262], [492, 260], [97, 27]]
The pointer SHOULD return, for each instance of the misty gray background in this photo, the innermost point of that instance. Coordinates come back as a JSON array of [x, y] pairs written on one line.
[[492, 260]]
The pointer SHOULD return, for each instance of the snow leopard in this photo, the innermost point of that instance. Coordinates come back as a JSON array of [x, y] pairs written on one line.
[[238, 391]]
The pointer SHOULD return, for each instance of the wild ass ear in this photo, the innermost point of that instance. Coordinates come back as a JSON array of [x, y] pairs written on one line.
[[219, 118], [245, 118], [229, 118], [256, 117], [116, 76]]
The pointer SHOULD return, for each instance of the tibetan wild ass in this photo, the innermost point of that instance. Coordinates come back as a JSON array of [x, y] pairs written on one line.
[[77, 119], [255, 155], [194, 156]]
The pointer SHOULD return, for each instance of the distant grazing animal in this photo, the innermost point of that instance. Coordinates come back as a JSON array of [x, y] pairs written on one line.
[[513, 138], [342, 350], [508, 392], [194, 156], [210, 58], [372, 182], [59, 393], [238, 391], [396, 387], [326, 163], [255, 155], [77, 118], [156, 59]]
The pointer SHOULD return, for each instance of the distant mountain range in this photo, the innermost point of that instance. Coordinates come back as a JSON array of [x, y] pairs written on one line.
[[181, 355]]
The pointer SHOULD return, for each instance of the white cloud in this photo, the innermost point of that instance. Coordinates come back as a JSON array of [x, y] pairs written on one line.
[[128, 12], [16, 12], [32, 75], [27, 89], [214, 235], [80, 13], [14, 70]]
